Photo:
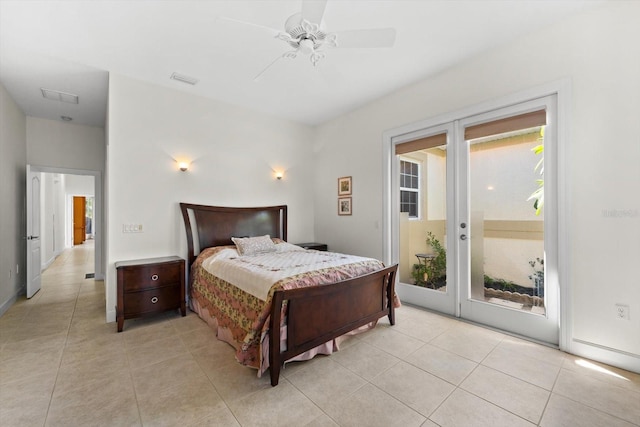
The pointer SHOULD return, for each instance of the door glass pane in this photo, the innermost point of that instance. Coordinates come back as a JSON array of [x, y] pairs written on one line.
[[506, 220], [423, 258]]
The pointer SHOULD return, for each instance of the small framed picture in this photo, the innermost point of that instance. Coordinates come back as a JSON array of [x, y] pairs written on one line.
[[344, 205], [344, 186]]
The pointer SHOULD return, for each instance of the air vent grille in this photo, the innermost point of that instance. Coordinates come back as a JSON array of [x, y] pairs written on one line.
[[56, 95], [184, 79]]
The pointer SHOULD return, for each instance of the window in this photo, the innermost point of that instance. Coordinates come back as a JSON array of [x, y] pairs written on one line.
[[410, 188]]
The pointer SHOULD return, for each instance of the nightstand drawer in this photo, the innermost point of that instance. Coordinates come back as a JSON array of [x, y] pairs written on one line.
[[160, 299], [151, 276], [147, 286]]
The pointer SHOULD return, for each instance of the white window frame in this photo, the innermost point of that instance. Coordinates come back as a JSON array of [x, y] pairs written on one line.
[[418, 190]]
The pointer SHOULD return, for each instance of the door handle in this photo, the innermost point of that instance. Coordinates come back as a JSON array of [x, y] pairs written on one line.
[[32, 237], [463, 237]]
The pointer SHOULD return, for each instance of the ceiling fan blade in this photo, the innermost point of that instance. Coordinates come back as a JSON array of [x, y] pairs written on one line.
[[261, 73], [292, 54], [250, 24], [373, 38], [313, 10]]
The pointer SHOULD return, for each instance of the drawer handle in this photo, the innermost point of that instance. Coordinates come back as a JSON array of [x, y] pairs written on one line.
[[154, 300], [154, 277]]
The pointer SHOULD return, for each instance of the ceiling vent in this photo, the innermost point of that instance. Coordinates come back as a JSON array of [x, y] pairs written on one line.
[[184, 79], [56, 95]]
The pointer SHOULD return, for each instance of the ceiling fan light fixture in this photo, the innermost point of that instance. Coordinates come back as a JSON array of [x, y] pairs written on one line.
[[306, 46], [305, 33]]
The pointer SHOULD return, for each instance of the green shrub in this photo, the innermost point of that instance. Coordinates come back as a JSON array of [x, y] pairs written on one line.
[[436, 268]]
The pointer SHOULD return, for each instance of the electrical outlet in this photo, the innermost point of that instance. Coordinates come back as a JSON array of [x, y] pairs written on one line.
[[622, 311]]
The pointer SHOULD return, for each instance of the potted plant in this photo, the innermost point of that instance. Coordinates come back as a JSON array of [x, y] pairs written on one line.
[[431, 273]]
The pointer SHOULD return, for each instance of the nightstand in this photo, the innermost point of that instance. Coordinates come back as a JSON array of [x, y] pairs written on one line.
[[313, 245], [148, 286]]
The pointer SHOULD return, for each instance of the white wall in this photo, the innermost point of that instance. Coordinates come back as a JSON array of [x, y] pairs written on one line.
[[64, 145], [52, 217], [13, 160], [598, 51], [349, 146], [233, 154], [436, 185], [79, 185]]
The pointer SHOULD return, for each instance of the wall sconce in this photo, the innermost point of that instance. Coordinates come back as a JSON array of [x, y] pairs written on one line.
[[279, 175], [183, 166]]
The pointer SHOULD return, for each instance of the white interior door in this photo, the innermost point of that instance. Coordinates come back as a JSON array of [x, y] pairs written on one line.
[[34, 264]]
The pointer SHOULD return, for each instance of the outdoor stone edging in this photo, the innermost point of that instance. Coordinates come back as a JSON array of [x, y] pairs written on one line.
[[527, 300]]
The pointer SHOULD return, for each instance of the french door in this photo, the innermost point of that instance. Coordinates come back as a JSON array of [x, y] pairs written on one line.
[[482, 242]]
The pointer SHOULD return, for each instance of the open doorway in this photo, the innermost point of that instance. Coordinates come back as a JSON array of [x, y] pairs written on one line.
[[82, 219], [66, 213], [79, 220], [80, 208], [56, 211]]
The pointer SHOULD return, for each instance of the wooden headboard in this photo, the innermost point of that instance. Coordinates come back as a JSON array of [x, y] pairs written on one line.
[[216, 225]]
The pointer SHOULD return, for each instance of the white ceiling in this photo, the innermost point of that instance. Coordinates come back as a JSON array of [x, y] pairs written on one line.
[[72, 45]]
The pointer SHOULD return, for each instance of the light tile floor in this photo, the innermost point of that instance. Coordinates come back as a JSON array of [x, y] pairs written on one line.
[[61, 365]]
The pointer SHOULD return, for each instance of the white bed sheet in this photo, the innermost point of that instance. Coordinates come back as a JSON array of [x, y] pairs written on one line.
[[256, 274]]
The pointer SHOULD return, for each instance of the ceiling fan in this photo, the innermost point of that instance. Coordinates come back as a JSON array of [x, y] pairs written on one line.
[[304, 32]]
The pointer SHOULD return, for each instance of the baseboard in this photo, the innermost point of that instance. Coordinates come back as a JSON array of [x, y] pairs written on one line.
[[111, 316], [46, 265], [8, 303], [56, 254], [610, 356]]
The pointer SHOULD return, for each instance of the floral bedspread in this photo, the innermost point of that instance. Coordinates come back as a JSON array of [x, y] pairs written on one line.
[[241, 318]]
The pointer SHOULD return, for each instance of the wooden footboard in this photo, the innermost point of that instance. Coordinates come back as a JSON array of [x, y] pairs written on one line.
[[319, 314]]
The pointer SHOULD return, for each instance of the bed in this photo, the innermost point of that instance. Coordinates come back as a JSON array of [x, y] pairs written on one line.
[[292, 313]]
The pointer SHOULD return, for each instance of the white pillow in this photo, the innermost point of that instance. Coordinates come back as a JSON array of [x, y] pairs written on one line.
[[254, 245]]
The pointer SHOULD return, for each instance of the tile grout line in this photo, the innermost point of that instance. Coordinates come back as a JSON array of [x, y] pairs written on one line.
[[224, 402], [589, 405], [478, 364], [64, 346]]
